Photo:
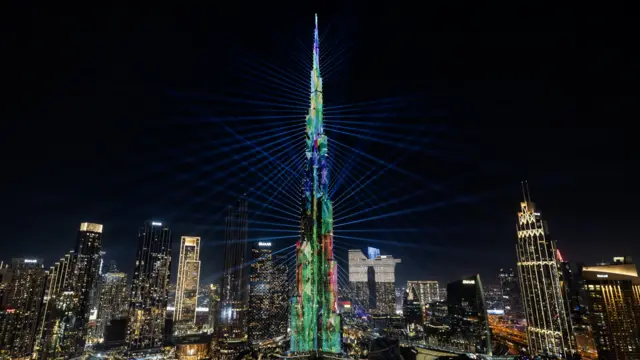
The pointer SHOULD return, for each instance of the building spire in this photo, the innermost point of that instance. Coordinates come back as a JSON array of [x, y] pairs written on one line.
[[316, 48]]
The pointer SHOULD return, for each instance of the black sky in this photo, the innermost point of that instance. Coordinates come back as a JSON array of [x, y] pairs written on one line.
[[92, 129]]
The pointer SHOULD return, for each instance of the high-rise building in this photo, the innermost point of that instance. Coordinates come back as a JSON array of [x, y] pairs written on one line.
[[76, 299], [427, 290], [511, 299], [114, 302], [260, 289], [268, 294], [613, 291], [150, 287], [235, 281], [51, 327], [214, 305], [546, 307], [280, 295], [315, 323], [188, 280], [23, 306], [412, 309], [373, 281], [468, 318]]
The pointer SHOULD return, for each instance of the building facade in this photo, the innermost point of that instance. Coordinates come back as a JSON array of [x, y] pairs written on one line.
[[613, 291], [22, 308], [427, 290], [260, 289], [549, 327], [51, 327], [468, 318], [150, 287], [372, 281], [232, 324], [114, 300], [511, 298], [188, 281]]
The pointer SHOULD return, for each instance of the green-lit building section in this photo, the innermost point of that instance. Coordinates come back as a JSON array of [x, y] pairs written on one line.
[[315, 323]]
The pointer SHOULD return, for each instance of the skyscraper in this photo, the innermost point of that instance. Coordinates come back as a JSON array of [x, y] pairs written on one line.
[[545, 303], [427, 290], [23, 305], [373, 281], [150, 287], [613, 291], [235, 281], [214, 305], [188, 281], [511, 299], [51, 327], [260, 291], [268, 294], [114, 302], [468, 318], [78, 297], [280, 294], [315, 323]]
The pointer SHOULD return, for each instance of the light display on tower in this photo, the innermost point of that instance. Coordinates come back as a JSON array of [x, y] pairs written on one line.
[[315, 323]]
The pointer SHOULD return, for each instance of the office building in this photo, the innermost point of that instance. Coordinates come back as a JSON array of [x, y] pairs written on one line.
[[150, 287], [427, 290], [260, 292], [235, 280], [22, 308], [511, 299], [280, 295], [52, 322], [613, 291], [188, 280], [373, 280], [114, 300], [468, 318], [549, 327], [78, 297], [214, 306], [412, 309]]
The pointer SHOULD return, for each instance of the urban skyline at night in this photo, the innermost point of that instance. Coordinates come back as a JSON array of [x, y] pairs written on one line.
[[408, 196]]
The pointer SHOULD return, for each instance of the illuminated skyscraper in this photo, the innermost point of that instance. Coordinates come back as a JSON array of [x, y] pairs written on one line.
[[188, 281], [427, 290], [23, 305], [51, 327], [315, 323], [235, 281], [373, 281], [613, 291], [260, 289], [150, 287], [114, 302], [545, 304], [77, 298], [268, 294]]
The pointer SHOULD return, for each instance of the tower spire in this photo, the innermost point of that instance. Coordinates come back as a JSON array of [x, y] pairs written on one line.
[[316, 48]]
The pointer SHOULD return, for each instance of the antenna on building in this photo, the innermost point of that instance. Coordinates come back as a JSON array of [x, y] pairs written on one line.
[[526, 183], [524, 194]]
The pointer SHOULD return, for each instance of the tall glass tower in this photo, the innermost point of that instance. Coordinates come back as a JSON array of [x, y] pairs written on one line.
[[150, 287], [188, 280], [545, 303], [315, 324], [235, 281]]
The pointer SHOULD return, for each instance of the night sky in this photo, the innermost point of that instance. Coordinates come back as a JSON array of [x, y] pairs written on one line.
[[107, 118]]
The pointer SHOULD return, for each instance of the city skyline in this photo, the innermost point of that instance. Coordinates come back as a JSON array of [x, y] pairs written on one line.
[[566, 182], [424, 192]]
